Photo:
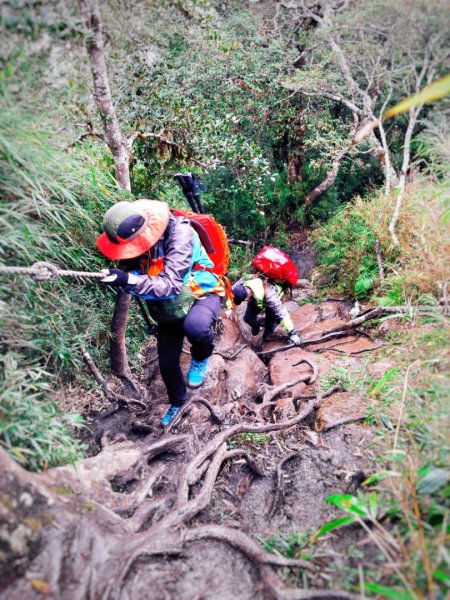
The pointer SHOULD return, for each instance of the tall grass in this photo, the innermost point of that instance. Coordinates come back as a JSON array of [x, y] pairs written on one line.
[[52, 201], [347, 259]]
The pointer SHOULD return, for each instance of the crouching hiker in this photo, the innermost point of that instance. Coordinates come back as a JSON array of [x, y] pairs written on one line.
[[164, 263], [264, 295]]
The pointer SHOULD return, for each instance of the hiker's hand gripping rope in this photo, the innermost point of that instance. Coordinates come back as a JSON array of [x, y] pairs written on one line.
[[115, 277]]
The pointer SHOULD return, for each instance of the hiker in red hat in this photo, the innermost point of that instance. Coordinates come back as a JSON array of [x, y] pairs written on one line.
[[164, 262]]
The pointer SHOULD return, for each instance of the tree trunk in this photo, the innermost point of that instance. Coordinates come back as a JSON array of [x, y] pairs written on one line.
[[413, 113], [102, 93], [329, 179], [296, 156], [94, 44]]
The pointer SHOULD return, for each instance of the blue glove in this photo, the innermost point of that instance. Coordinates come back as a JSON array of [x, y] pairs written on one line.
[[115, 277], [295, 339]]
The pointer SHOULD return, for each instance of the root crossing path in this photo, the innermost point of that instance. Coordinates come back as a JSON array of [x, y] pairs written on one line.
[[221, 503]]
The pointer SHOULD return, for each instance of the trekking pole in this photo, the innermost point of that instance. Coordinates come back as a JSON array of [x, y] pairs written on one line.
[[191, 187]]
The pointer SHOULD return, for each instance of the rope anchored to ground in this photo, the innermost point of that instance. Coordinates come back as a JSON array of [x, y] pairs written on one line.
[[46, 271]]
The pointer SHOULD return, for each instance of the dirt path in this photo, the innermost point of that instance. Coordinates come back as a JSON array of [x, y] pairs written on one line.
[[209, 508]]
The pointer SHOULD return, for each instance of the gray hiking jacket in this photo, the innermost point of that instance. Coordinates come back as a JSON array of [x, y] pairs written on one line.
[[181, 248]]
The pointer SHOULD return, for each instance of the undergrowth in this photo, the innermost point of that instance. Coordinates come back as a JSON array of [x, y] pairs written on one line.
[[404, 506], [416, 271], [52, 204]]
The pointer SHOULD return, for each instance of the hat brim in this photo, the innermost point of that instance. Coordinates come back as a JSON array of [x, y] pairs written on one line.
[[158, 218]]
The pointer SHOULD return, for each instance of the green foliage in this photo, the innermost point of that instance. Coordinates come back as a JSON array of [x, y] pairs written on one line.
[[332, 525], [251, 441], [289, 545], [32, 429], [412, 489], [347, 257], [383, 591], [53, 202], [219, 104], [345, 248]]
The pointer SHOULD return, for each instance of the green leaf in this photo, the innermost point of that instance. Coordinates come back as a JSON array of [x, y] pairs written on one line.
[[373, 505], [331, 525], [386, 592], [433, 480], [382, 382], [376, 477], [441, 576], [348, 503], [435, 91]]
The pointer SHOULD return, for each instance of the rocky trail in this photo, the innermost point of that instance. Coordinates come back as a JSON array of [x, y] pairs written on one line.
[[203, 508]]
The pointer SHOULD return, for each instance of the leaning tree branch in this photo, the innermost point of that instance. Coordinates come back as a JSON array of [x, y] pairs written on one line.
[[330, 178]]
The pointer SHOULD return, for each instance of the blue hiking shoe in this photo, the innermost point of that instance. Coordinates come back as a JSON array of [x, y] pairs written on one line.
[[170, 414], [197, 373]]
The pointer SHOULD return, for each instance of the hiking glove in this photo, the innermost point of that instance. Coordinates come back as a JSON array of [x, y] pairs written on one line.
[[115, 277], [295, 338]]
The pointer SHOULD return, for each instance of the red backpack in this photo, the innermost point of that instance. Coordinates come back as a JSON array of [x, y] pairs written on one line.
[[276, 264], [212, 236]]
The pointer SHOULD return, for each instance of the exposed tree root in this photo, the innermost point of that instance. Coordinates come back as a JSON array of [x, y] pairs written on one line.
[[165, 444], [296, 399], [290, 594], [310, 342], [167, 494], [343, 421], [373, 313], [252, 464], [231, 356], [135, 500], [272, 392], [109, 393], [216, 417], [279, 483], [366, 316], [244, 544], [356, 352]]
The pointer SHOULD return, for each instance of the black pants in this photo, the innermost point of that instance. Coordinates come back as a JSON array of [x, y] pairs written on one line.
[[197, 327], [252, 319]]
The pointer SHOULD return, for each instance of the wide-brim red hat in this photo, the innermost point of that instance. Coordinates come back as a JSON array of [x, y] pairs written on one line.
[[132, 228]]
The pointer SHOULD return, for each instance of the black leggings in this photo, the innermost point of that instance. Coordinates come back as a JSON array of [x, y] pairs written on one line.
[[252, 319], [197, 327]]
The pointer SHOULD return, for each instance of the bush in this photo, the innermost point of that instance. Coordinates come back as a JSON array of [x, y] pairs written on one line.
[[52, 205], [346, 246]]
